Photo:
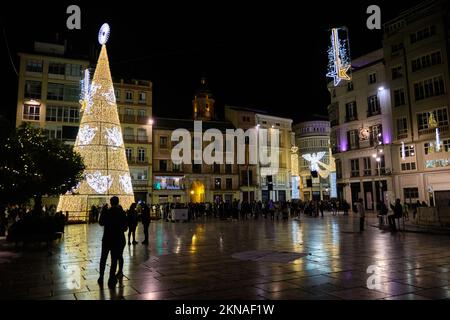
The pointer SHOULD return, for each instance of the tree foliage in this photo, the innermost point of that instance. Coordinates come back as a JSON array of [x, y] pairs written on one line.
[[32, 165]]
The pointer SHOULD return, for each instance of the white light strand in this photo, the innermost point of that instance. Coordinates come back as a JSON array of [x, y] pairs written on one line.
[[86, 134], [438, 140], [98, 182], [125, 183], [403, 151], [338, 57], [114, 137], [110, 96]]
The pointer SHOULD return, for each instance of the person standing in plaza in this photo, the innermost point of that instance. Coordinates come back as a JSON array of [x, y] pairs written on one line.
[[145, 222], [362, 214], [114, 222], [132, 223]]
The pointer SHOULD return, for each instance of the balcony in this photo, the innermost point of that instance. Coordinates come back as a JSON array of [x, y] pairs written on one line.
[[139, 182], [350, 118], [135, 139], [371, 113], [138, 160], [401, 136], [134, 119], [433, 130]]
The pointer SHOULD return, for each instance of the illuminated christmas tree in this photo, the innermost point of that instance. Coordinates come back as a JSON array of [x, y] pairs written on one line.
[[100, 143]]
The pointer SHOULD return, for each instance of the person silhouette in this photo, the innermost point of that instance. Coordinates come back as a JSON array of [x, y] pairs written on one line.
[[114, 222]]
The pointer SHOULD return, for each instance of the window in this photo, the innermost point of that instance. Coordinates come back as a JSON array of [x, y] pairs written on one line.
[[408, 166], [129, 96], [31, 112], [372, 78], [353, 139], [216, 168], [142, 113], [396, 47], [381, 165], [55, 91], [246, 177], [54, 133], [142, 135], [142, 97], [139, 174], [196, 168], [117, 94], [409, 151], [176, 167], [129, 153], [351, 111], [411, 193], [397, 72], [71, 93], [376, 136], [367, 166], [373, 106], [402, 127], [229, 183], [163, 142], [34, 66], [399, 97], [57, 68], [129, 112], [73, 70], [338, 163], [62, 114], [354, 165], [217, 183], [168, 183], [228, 169], [350, 86], [163, 165], [426, 61], [423, 34], [32, 89], [446, 144], [440, 115], [429, 88], [141, 155]]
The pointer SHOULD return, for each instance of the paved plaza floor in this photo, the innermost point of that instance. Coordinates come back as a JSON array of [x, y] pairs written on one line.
[[316, 258]]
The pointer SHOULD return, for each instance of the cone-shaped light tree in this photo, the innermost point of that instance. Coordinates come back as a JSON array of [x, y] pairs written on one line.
[[100, 143]]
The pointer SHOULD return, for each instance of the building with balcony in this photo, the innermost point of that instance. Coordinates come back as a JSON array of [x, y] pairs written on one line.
[[315, 162], [191, 182], [361, 132], [49, 94], [417, 70], [281, 177]]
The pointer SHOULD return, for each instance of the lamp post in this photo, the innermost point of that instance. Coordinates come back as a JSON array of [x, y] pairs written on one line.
[[377, 158]]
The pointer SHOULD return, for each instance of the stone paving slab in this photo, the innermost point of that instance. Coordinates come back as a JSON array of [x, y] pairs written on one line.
[[317, 259]]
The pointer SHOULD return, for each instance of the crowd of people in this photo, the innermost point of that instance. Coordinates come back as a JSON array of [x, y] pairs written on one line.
[[25, 223]]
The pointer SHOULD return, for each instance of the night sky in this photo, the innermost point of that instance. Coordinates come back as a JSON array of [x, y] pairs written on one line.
[[270, 56]]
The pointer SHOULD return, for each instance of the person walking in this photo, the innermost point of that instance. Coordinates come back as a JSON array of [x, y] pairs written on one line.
[[398, 212], [345, 207], [145, 222], [114, 222], [362, 214], [132, 219]]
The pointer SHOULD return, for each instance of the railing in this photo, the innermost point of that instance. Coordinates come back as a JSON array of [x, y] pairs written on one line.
[[351, 118], [371, 113], [139, 182], [131, 118], [135, 139], [432, 130], [138, 160], [402, 136]]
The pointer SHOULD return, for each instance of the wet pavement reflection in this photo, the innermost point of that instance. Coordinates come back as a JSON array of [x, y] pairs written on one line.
[[195, 261]]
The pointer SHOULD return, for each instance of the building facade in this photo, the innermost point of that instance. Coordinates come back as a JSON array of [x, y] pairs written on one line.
[[416, 50], [281, 177], [316, 164], [361, 132], [49, 95], [192, 182]]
